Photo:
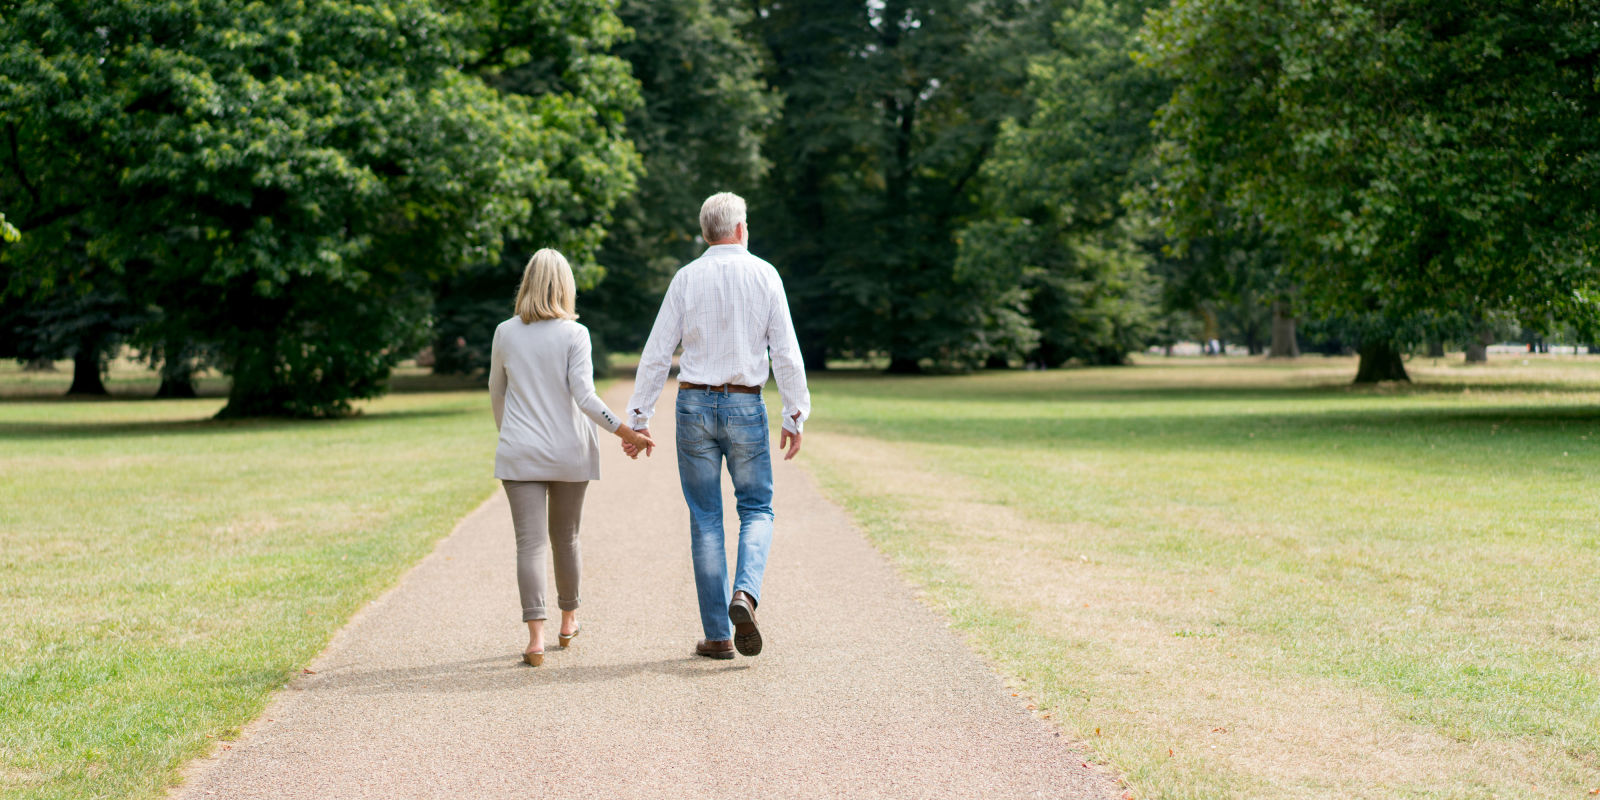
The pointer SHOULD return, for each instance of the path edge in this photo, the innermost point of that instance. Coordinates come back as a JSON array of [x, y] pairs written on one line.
[[197, 766], [1023, 698]]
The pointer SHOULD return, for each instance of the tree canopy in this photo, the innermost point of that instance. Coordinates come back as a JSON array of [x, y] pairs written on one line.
[[698, 130], [1056, 227], [1410, 157], [302, 195], [284, 182]]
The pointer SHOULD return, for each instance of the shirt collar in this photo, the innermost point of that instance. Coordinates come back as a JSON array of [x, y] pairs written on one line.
[[723, 249]]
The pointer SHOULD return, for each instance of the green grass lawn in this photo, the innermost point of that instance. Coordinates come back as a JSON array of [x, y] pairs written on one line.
[[161, 573], [1242, 579]]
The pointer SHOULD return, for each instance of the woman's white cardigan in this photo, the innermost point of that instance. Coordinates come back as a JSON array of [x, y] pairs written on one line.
[[540, 379]]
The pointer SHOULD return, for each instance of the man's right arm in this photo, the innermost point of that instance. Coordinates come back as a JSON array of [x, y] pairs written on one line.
[[656, 360], [789, 370]]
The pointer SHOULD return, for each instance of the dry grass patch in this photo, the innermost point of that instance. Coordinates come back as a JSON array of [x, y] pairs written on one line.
[[1225, 615]]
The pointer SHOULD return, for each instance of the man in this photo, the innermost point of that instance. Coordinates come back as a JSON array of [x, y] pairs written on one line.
[[728, 310]]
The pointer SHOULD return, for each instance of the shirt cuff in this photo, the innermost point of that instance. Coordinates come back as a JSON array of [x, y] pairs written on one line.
[[793, 425], [638, 421]]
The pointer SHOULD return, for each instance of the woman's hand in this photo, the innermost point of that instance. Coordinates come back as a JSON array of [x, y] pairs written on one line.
[[634, 441]]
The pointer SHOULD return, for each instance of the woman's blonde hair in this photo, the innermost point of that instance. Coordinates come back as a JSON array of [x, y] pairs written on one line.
[[548, 290]]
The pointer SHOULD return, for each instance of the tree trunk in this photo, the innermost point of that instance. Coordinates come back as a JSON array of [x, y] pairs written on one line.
[[86, 370], [177, 379], [1478, 346], [814, 352], [254, 392], [177, 388], [1209, 329], [41, 364], [1283, 335], [902, 365], [1435, 348], [1380, 361]]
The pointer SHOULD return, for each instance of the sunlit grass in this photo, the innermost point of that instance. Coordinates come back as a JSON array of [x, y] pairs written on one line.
[[1251, 579], [161, 573]]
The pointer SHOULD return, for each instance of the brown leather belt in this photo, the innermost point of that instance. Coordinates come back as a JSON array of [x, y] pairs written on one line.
[[724, 388]]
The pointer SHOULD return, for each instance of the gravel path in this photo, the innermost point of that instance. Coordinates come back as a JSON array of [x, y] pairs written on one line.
[[860, 691]]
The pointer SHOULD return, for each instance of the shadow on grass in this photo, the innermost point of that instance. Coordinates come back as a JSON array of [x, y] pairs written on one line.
[[119, 394], [1378, 429], [203, 427], [986, 389], [144, 389]]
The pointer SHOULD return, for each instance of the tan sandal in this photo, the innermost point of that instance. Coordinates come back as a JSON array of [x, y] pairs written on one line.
[[566, 638], [533, 659]]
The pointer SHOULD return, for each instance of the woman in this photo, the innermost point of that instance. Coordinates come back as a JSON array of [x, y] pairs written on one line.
[[540, 377]]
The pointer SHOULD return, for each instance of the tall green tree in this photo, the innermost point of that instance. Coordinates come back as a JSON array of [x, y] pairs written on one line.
[[1410, 157], [890, 109], [552, 58], [284, 183], [1054, 189], [705, 107]]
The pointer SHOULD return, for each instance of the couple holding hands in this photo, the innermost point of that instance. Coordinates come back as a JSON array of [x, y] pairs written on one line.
[[728, 310]]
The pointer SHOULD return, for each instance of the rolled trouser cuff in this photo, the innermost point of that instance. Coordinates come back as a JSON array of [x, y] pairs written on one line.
[[531, 614]]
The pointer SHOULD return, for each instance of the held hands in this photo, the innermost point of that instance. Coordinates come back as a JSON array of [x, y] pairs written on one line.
[[634, 441]]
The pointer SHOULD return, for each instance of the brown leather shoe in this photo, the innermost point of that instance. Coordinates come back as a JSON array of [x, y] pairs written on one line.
[[719, 649], [742, 612]]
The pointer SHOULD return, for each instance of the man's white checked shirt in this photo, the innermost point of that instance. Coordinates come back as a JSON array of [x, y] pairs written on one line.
[[728, 309]]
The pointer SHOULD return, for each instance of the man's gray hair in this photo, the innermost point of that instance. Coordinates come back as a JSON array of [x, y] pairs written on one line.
[[720, 215]]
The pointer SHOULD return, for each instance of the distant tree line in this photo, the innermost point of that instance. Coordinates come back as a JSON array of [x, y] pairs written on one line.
[[302, 195]]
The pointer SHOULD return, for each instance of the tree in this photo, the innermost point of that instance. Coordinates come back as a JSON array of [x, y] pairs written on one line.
[[71, 321], [1054, 190], [553, 57], [698, 131], [1409, 157], [890, 110], [283, 183]]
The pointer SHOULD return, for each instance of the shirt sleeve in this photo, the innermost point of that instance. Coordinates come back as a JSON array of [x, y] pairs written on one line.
[[787, 366], [497, 381], [580, 381], [656, 360]]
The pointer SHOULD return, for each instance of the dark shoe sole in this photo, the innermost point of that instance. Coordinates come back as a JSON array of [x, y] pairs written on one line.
[[746, 638], [720, 655]]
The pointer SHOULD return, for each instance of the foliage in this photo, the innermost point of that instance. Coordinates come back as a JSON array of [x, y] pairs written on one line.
[[284, 182], [1054, 189], [698, 131], [890, 110], [553, 56], [1408, 157]]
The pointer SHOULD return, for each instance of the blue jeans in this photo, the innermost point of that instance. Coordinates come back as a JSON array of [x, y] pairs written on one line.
[[713, 426]]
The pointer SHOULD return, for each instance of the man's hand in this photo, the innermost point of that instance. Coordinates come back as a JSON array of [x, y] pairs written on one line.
[[632, 446], [790, 440]]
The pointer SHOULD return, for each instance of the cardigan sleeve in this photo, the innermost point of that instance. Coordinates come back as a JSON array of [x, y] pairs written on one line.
[[580, 381]]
